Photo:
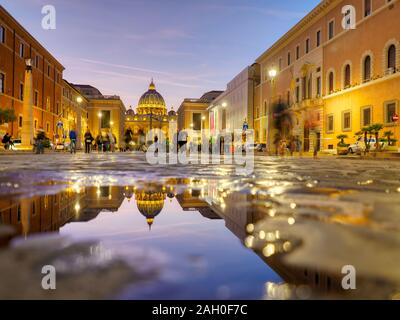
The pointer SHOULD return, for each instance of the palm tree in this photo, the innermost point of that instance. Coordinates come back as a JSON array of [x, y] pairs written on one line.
[[388, 135], [376, 128], [367, 131], [6, 116]]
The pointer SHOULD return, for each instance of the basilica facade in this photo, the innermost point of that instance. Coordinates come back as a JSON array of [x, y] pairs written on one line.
[[151, 113]]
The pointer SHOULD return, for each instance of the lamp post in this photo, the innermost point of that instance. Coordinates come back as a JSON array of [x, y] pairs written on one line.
[[79, 122], [272, 75], [27, 114]]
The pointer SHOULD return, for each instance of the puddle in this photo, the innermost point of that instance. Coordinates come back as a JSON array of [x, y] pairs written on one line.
[[181, 238]]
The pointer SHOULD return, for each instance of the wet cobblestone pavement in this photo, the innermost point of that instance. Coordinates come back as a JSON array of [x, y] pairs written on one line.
[[306, 219]]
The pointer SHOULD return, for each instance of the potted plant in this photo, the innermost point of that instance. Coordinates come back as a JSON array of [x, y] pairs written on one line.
[[342, 147]]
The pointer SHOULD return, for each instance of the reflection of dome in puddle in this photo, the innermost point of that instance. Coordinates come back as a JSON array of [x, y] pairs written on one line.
[[150, 204]]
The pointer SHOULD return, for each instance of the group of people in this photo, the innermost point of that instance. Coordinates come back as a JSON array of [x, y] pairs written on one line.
[[102, 143]]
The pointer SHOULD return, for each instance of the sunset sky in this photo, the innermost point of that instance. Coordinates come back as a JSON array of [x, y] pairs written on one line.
[[188, 47]]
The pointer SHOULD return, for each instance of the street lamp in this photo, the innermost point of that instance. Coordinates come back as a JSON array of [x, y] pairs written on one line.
[[99, 114], [224, 104], [79, 100], [272, 73], [111, 123]]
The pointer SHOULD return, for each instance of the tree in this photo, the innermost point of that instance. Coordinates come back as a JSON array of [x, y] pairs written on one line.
[[341, 137], [388, 135], [367, 141], [375, 129], [7, 115]]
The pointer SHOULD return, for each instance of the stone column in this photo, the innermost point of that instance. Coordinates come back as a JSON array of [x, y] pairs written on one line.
[[78, 128], [27, 114]]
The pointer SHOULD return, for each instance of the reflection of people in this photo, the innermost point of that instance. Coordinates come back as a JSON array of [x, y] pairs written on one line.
[[88, 141]]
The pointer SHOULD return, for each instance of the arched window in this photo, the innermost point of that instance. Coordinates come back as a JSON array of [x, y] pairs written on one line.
[[347, 76], [391, 57], [367, 68], [330, 82]]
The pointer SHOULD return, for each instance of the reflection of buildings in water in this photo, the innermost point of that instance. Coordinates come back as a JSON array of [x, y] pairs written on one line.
[[238, 211], [150, 200], [49, 213]]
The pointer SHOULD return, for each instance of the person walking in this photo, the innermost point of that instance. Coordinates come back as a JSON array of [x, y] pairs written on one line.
[[72, 138], [112, 141], [6, 141], [40, 138], [99, 143], [88, 141]]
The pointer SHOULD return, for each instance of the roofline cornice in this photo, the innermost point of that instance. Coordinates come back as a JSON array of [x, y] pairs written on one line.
[[315, 14]]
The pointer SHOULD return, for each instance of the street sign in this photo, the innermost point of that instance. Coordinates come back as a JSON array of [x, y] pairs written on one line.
[[395, 117]]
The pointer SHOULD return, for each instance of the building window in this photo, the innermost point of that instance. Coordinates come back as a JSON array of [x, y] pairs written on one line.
[[21, 50], [297, 53], [367, 8], [347, 76], [390, 111], [196, 120], [331, 29], [318, 38], [47, 127], [105, 119], [367, 69], [366, 116], [265, 108], [2, 34], [391, 58], [48, 70], [346, 121], [21, 91], [36, 99], [280, 64], [289, 59], [307, 45], [20, 121], [318, 86], [304, 88], [288, 98], [35, 124], [331, 85], [37, 61], [329, 121], [297, 94], [2, 82]]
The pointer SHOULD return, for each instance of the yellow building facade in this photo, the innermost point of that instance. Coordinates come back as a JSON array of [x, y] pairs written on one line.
[[335, 80]]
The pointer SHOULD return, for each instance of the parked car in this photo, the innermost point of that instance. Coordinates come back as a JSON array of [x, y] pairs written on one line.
[[359, 145]]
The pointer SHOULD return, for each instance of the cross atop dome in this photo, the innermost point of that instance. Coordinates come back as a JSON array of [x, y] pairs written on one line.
[[152, 86]]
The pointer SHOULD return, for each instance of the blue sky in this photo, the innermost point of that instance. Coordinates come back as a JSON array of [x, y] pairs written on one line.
[[187, 46]]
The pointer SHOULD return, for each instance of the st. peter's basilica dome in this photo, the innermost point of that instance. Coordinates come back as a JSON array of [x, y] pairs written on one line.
[[152, 102]]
